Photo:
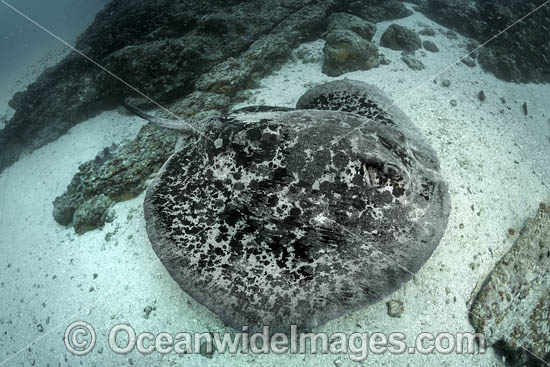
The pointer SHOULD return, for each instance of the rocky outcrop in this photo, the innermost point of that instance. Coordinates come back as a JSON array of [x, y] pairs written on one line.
[[400, 38], [117, 174], [512, 309], [340, 21], [514, 55], [378, 10], [346, 51]]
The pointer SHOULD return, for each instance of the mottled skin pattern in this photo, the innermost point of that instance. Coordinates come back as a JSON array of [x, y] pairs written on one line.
[[276, 221]]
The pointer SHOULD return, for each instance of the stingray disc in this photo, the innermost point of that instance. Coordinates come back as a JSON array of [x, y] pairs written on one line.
[[276, 220]]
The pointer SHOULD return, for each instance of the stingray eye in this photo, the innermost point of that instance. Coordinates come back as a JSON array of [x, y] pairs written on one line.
[[392, 171]]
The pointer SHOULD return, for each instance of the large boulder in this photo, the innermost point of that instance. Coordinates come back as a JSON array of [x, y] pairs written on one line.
[[512, 309], [346, 51], [400, 38]]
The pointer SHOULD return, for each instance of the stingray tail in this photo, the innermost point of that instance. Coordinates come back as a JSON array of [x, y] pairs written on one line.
[[136, 111], [180, 126]]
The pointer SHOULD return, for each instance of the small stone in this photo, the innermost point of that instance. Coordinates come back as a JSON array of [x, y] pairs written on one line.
[[453, 102], [511, 231], [427, 31], [40, 328], [395, 308], [412, 62], [524, 108], [481, 96], [147, 311], [461, 226], [468, 61], [451, 35], [218, 143], [446, 83], [430, 46], [384, 60]]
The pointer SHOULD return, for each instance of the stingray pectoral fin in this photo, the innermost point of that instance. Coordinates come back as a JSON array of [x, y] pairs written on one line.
[[179, 125]]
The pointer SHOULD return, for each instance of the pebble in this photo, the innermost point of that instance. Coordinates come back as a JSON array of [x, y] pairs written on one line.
[[481, 96], [395, 308]]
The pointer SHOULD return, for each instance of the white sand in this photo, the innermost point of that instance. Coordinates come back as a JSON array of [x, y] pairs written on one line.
[[495, 163]]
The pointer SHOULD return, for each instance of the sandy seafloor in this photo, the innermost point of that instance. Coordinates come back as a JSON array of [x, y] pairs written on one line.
[[494, 158]]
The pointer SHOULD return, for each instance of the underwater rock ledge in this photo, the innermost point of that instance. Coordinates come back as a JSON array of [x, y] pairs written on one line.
[[512, 309]]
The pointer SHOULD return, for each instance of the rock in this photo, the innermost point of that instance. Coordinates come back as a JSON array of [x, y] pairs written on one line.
[[453, 102], [383, 59], [398, 37], [346, 51], [446, 83], [451, 35], [513, 306], [379, 10], [118, 175], [427, 31], [244, 71], [481, 96], [341, 21], [412, 62], [395, 308], [147, 311], [91, 214], [430, 46], [509, 56], [524, 108], [308, 55], [468, 61]]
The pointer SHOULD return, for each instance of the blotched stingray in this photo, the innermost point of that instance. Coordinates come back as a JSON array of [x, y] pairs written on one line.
[[285, 217]]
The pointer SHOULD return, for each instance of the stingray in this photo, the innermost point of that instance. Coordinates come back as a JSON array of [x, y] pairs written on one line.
[[279, 216]]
